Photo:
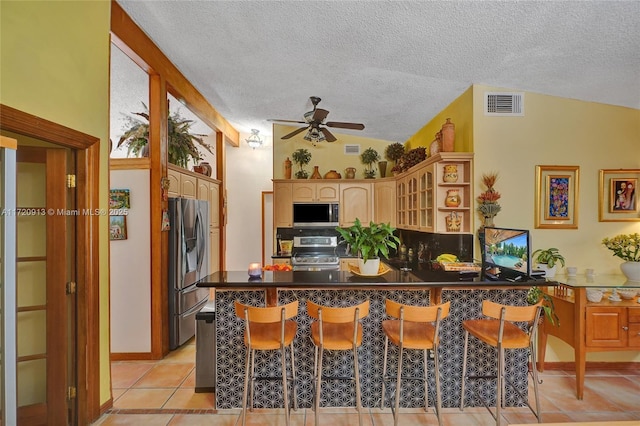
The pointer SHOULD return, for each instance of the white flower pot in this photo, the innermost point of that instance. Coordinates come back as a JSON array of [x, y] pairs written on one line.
[[370, 267], [548, 272], [631, 270]]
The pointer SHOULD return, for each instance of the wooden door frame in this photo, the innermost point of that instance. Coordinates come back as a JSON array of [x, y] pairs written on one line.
[[87, 246]]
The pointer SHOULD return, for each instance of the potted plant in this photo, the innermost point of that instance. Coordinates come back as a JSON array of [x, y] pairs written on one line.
[[534, 295], [301, 157], [368, 157], [369, 243], [547, 260], [627, 248], [182, 144], [394, 151]]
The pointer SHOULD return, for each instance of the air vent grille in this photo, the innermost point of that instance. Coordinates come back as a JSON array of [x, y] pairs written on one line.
[[504, 103], [352, 149]]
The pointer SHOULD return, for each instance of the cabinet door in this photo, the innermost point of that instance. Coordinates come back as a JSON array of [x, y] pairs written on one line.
[[203, 191], [412, 201], [327, 192], [282, 205], [303, 192], [214, 250], [401, 205], [606, 327], [425, 199], [214, 204], [384, 202], [174, 183], [188, 186], [356, 202]]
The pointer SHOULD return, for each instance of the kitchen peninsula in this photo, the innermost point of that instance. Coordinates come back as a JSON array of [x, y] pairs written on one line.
[[341, 288]]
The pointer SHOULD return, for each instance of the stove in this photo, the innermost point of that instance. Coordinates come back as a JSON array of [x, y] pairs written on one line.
[[315, 253]]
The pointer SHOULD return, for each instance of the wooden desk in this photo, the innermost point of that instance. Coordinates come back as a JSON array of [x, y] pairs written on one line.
[[591, 327]]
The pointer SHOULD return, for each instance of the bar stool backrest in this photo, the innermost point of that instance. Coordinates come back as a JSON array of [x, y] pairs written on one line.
[[268, 315], [342, 315], [529, 314], [417, 313]]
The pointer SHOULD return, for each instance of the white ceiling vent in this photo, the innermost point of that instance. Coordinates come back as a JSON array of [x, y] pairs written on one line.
[[351, 149], [504, 103]]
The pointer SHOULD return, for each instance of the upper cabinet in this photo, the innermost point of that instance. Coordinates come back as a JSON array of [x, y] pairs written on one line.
[[384, 202], [315, 192], [356, 202], [282, 204]]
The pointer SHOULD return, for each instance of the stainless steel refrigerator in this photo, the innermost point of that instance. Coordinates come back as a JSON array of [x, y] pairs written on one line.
[[188, 263]]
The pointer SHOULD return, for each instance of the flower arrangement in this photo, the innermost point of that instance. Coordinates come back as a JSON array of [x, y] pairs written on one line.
[[626, 247], [488, 199]]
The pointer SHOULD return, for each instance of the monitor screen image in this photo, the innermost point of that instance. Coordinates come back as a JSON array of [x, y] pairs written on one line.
[[506, 253]]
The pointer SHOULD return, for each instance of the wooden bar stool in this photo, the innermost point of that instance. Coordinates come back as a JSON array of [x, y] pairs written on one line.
[[501, 332], [417, 327], [336, 329], [268, 329]]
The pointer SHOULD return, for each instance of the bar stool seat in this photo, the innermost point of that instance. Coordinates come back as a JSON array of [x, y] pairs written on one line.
[[269, 328], [500, 331], [336, 329], [417, 327]]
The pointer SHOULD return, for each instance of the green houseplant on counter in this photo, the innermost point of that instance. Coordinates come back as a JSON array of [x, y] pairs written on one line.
[[547, 260], [369, 242]]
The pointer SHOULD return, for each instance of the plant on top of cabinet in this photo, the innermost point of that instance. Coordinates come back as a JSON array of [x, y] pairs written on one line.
[[301, 157], [182, 144], [368, 157], [410, 159], [394, 151]]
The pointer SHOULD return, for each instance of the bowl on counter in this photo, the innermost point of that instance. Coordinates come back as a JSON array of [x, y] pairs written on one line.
[[594, 295], [627, 293]]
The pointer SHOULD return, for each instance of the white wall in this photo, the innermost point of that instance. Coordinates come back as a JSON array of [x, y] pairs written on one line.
[[130, 266], [249, 172]]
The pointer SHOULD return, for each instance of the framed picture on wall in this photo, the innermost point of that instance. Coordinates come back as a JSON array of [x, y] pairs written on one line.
[[118, 227], [556, 198], [618, 195], [119, 199]]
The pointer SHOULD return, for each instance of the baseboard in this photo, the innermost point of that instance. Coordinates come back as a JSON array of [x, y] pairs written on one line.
[[131, 356], [108, 405], [596, 365]]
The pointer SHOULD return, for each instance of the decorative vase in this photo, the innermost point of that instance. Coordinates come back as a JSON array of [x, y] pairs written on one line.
[[332, 174], [453, 222], [350, 172], [631, 270], [207, 170], [450, 173], [488, 221], [287, 168], [453, 198], [316, 173], [383, 168], [370, 267], [448, 136]]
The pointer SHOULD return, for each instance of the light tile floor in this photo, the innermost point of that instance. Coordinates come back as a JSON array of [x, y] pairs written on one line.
[[162, 393]]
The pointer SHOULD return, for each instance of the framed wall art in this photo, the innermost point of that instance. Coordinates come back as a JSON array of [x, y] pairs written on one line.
[[618, 195], [118, 227], [556, 201], [119, 199]]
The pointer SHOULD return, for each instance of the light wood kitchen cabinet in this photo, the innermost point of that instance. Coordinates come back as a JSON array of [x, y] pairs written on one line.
[[174, 183], [426, 212], [412, 201], [282, 204], [384, 202], [315, 192], [401, 202], [356, 201], [214, 244], [214, 204]]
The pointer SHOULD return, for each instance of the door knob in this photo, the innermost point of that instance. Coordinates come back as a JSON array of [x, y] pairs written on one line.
[[625, 328]]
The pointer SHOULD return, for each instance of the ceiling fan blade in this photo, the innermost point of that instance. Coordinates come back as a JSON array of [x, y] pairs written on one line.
[[354, 126], [319, 114], [328, 135], [295, 132], [287, 121]]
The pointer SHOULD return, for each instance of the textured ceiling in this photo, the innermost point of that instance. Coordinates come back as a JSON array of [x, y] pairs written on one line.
[[392, 65]]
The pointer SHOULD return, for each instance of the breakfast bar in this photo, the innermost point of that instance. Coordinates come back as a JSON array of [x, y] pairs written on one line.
[[342, 288]]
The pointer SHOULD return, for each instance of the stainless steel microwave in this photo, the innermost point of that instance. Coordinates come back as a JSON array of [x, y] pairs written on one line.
[[306, 215]]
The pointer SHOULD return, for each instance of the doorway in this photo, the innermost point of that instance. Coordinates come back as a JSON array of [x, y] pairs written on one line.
[[75, 320]]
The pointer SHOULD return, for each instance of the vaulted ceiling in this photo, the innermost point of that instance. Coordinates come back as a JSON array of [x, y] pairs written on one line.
[[392, 65]]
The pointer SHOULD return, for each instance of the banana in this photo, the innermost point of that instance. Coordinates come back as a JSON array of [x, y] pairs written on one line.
[[446, 257]]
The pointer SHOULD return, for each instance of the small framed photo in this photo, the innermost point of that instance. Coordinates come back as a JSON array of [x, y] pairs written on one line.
[[618, 195], [118, 227], [556, 201], [119, 199]]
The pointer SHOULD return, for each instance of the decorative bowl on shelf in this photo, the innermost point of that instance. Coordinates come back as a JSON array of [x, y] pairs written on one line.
[[627, 293], [594, 295]]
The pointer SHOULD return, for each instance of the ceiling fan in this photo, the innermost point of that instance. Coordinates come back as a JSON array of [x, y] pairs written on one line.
[[314, 119]]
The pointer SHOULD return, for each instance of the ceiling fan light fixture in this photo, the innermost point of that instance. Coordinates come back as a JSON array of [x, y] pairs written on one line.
[[254, 140]]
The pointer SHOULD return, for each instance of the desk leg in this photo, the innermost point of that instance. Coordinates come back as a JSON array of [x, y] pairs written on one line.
[[579, 343]]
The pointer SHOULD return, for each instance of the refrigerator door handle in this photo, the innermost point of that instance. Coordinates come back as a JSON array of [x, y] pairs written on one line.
[[200, 239]]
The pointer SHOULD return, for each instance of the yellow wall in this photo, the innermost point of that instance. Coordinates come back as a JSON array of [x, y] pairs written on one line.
[[326, 155], [55, 65], [460, 111], [559, 131]]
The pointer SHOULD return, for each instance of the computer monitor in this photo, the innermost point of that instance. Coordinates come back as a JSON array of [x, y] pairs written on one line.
[[506, 254]]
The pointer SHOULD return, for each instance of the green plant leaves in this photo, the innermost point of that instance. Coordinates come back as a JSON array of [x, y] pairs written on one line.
[[371, 241]]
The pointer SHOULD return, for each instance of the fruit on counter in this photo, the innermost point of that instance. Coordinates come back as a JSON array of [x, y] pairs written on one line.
[[277, 267], [446, 257]]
